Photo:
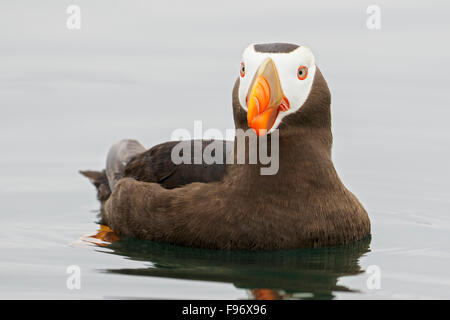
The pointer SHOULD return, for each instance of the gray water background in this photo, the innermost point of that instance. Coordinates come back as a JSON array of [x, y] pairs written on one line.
[[140, 69]]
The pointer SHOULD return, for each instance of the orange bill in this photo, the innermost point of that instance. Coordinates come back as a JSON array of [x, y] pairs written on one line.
[[265, 98]]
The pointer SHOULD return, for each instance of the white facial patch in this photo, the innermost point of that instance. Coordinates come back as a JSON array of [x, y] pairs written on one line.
[[287, 64]]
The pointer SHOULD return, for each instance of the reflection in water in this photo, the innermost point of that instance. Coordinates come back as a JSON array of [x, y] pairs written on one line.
[[285, 274]]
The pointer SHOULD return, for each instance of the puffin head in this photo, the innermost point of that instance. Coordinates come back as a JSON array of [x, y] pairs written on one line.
[[275, 82]]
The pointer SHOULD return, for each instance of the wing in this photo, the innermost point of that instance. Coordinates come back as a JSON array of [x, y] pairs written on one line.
[[156, 165], [118, 156]]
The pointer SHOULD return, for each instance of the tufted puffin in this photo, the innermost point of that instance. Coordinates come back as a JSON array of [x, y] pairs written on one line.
[[232, 206]]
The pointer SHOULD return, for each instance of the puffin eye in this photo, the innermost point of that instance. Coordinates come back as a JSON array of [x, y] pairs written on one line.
[[302, 72], [242, 71]]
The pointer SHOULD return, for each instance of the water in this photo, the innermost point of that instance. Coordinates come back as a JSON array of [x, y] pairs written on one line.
[[141, 70]]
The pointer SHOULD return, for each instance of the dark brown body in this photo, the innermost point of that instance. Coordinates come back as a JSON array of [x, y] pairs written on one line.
[[304, 205]]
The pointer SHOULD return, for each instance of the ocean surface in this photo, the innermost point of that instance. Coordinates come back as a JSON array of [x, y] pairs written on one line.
[[140, 70]]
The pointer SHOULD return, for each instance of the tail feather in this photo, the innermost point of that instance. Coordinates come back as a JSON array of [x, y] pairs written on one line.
[[100, 181], [118, 157]]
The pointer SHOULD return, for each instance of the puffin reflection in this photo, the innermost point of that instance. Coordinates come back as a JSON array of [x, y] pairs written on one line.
[[284, 274]]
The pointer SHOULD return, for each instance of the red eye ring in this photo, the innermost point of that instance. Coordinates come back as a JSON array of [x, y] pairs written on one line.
[[302, 72], [242, 70]]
